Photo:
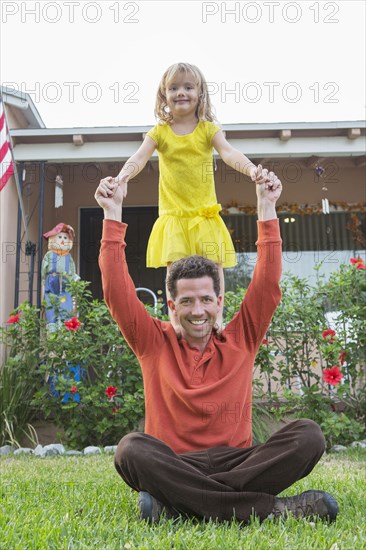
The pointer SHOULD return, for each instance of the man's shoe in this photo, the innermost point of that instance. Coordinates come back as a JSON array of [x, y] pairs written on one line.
[[151, 509], [309, 504]]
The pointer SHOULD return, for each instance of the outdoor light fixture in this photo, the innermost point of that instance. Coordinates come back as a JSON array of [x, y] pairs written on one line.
[[289, 220]]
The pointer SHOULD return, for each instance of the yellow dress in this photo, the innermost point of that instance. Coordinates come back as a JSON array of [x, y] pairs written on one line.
[[189, 221]]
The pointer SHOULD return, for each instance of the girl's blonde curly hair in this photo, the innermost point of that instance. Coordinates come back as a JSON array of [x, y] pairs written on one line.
[[204, 108]]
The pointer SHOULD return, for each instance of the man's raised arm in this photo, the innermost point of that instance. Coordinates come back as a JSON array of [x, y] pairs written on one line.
[[264, 293], [137, 326]]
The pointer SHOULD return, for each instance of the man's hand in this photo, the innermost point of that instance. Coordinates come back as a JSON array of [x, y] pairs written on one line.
[[270, 190], [109, 195], [267, 195]]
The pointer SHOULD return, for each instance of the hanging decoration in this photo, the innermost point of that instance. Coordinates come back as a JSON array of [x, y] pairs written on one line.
[[325, 205], [59, 192], [320, 171]]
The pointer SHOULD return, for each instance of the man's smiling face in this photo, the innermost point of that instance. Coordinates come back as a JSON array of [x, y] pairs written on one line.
[[196, 307]]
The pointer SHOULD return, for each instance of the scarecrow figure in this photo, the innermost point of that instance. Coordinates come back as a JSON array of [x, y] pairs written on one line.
[[57, 269]]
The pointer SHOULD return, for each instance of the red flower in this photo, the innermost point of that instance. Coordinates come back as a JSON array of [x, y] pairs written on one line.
[[111, 391], [13, 319], [72, 324], [73, 389], [265, 341], [332, 375], [342, 357], [329, 332], [358, 263]]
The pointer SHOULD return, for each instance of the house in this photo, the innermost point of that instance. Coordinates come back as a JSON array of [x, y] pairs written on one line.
[[315, 161]]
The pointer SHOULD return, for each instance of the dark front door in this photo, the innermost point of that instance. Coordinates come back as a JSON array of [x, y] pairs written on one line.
[[140, 221]]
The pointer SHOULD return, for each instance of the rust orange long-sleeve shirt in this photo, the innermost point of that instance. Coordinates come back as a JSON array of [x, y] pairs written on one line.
[[195, 401]]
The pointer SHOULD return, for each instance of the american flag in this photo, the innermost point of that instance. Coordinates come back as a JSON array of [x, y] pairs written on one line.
[[6, 160]]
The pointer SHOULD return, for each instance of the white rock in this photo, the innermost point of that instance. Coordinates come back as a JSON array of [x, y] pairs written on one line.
[[92, 450], [54, 449], [6, 450], [110, 448], [38, 451], [338, 449], [358, 445], [23, 451], [49, 450]]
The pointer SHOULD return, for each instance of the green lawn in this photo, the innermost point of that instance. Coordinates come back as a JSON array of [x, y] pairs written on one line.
[[80, 502]]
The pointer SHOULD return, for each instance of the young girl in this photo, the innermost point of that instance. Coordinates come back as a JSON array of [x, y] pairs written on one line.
[[189, 221]]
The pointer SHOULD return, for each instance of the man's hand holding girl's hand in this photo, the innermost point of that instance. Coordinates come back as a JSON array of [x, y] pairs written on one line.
[[118, 181], [270, 190], [258, 174], [261, 175], [109, 194]]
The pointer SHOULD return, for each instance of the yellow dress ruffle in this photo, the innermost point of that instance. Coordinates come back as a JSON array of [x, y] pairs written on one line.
[[178, 234]]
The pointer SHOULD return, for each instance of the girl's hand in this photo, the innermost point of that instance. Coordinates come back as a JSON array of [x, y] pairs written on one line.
[[122, 181], [259, 174], [108, 193]]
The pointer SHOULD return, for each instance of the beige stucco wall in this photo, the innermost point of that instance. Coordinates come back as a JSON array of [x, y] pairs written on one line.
[[345, 182], [8, 237], [8, 231], [8, 221], [8, 225], [8, 228]]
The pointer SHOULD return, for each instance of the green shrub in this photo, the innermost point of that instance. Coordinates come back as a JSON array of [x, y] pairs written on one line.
[[18, 375], [300, 338], [96, 349]]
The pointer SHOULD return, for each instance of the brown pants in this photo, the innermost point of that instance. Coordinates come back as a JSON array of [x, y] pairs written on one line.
[[221, 482]]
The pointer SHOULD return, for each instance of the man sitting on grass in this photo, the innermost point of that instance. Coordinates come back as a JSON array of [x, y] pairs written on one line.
[[196, 456]]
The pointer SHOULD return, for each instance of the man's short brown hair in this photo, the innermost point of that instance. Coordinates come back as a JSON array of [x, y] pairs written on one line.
[[192, 267]]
